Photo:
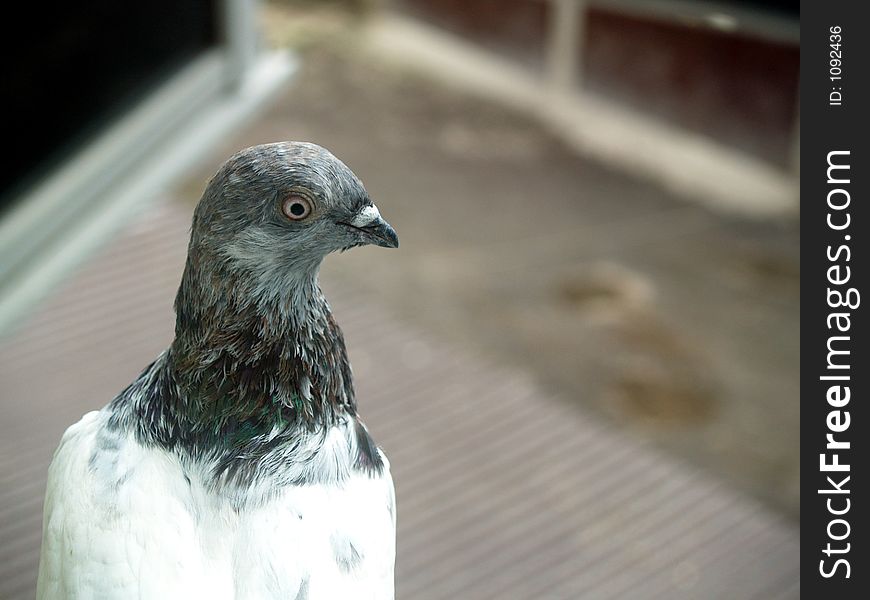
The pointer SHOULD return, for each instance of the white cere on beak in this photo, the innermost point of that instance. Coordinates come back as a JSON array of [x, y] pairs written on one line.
[[366, 216]]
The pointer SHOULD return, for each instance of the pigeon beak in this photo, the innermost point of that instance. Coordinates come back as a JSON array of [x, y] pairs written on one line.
[[373, 227]]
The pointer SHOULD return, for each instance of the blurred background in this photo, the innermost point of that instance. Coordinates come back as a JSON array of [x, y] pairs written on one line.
[[583, 359]]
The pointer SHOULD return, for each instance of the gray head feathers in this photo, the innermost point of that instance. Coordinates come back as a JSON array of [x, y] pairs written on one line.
[[240, 229]]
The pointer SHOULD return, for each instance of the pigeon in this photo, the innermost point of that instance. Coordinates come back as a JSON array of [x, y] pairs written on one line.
[[236, 466]]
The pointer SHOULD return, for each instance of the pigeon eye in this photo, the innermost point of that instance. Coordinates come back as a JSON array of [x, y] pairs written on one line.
[[296, 207]]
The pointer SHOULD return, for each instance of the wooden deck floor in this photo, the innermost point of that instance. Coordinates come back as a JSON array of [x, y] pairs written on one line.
[[503, 492]]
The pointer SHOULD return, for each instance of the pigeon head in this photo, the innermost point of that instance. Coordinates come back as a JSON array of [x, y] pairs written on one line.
[[273, 212], [282, 207]]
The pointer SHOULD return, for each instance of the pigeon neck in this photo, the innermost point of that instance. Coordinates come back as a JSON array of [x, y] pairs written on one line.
[[259, 364]]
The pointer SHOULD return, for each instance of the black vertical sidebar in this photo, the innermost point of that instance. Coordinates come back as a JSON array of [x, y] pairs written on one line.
[[835, 56]]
